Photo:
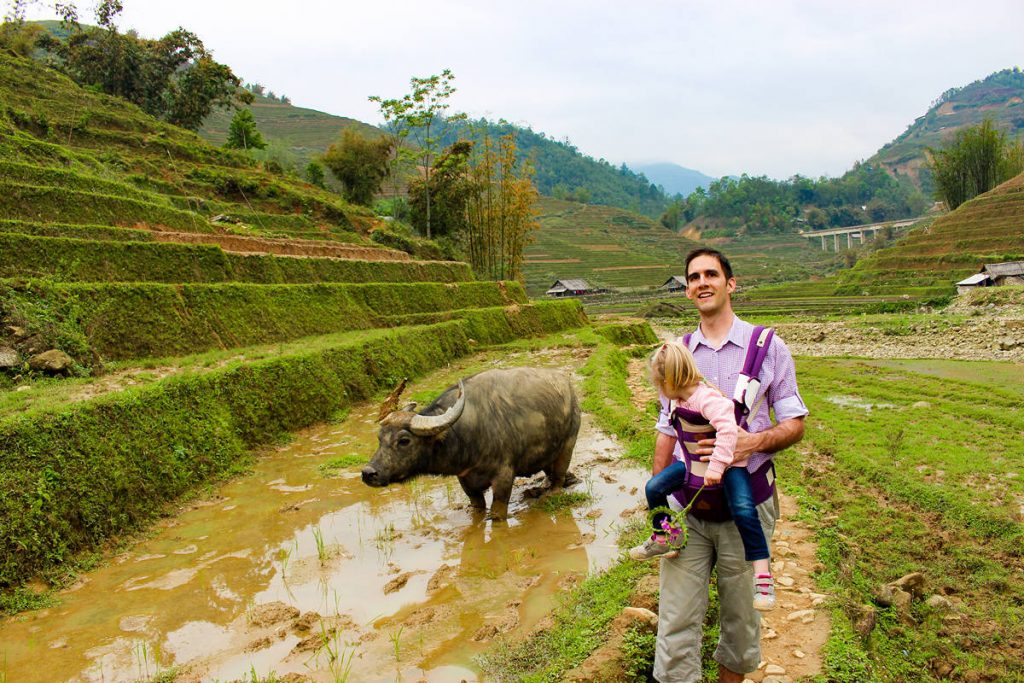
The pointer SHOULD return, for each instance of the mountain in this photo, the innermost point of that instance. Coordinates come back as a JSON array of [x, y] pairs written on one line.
[[673, 178], [999, 97]]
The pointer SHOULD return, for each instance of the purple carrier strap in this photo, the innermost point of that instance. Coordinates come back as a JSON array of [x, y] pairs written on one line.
[[712, 506]]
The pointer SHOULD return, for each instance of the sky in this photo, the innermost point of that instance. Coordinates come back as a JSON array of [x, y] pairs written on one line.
[[725, 87]]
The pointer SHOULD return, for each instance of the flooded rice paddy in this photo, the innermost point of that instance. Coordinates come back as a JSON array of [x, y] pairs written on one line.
[[298, 569]]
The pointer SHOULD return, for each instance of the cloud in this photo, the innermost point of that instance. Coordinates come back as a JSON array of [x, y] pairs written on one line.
[[725, 87]]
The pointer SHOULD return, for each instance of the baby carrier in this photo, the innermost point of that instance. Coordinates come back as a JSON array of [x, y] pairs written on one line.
[[691, 427]]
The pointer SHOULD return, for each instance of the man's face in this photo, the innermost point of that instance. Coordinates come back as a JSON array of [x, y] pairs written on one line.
[[706, 285]]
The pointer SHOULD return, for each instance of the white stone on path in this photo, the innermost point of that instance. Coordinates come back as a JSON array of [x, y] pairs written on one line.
[[799, 654], [805, 616], [774, 670], [784, 580]]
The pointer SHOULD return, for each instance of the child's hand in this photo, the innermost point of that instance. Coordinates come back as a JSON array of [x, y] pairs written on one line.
[[712, 478]]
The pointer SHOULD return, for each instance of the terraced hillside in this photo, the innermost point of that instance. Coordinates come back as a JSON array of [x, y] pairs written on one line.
[[924, 265], [145, 348], [999, 97], [72, 156], [614, 248]]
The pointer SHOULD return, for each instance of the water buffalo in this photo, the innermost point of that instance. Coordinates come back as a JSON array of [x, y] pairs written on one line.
[[491, 428]]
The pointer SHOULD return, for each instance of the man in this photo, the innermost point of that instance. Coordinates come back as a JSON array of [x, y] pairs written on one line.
[[719, 346]]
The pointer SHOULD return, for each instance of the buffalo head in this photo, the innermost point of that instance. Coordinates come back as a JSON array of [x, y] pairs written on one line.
[[405, 441]]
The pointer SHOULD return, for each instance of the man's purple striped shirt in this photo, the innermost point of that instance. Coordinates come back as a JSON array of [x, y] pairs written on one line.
[[722, 366]]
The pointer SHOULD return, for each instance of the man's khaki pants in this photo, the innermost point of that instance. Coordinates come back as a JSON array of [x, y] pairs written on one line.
[[684, 600]]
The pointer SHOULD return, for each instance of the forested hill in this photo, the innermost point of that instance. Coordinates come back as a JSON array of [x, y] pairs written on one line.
[[999, 97], [564, 172], [296, 135]]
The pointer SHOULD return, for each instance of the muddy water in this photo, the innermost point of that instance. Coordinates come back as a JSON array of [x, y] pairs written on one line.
[[403, 583]]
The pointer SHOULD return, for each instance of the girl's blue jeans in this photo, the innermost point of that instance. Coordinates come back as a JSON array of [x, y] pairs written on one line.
[[738, 494]]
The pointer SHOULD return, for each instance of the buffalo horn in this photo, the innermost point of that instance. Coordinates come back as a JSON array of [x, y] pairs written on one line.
[[428, 425]]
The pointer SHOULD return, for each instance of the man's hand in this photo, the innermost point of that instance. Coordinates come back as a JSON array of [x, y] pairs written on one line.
[[781, 436], [746, 443]]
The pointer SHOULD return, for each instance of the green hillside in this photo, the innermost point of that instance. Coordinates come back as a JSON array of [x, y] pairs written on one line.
[[999, 96], [614, 248], [295, 134], [928, 261]]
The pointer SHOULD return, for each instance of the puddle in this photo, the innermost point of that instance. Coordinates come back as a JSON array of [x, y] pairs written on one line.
[[400, 583], [855, 402]]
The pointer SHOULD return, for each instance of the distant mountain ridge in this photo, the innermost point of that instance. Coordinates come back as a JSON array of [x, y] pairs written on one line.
[[673, 178], [999, 96]]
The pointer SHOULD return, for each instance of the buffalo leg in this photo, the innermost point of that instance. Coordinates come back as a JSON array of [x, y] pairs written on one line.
[[476, 495], [558, 473], [501, 488]]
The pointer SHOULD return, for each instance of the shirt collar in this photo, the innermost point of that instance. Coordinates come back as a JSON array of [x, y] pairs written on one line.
[[736, 335]]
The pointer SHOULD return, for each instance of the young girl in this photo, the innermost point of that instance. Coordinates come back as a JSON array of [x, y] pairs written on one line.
[[674, 372]]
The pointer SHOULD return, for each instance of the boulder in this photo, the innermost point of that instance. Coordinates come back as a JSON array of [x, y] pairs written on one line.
[[865, 621], [54, 362], [939, 602], [9, 358], [912, 583]]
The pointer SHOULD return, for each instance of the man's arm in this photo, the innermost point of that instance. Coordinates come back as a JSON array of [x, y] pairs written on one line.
[[663, 447], [772, 440]]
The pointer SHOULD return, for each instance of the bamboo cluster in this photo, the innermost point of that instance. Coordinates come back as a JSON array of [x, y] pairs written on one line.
[[499, 213]]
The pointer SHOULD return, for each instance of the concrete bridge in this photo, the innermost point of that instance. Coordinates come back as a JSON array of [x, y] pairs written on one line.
[[855, 232]]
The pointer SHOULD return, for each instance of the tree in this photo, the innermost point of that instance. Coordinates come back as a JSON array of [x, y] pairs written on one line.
[[424, 109], [315, 173], [500, 214], [174, 78], [450, 192], [242, 133], [979, 158], [359, 164]]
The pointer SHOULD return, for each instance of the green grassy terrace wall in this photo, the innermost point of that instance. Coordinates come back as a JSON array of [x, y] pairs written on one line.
[[78, 474], [140, 320], [76, 260]]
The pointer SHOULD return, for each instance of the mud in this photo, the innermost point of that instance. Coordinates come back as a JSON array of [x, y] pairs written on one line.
[[292, 571]]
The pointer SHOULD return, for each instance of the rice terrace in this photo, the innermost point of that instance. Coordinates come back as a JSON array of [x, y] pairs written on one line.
[[215, 304]]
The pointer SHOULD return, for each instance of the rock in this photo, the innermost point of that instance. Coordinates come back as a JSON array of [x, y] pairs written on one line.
[[9, 358], [865, 621], [922, 404], [774, 670], [901, 601], [52, 362], [639, 616], [805, 616], [884, 595], [820, 337], [1009, 344], [912, 583], [786, 581], [799, 654], [941, 668], [939, 602]]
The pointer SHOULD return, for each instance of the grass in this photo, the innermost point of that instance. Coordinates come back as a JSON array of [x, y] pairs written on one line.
[[908, 489], [563, 500]]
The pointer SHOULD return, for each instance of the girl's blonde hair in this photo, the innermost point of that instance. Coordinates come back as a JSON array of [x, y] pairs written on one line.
[[672, 368]]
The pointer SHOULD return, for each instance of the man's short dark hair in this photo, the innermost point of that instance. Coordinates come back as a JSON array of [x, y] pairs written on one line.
[[714, 253]]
